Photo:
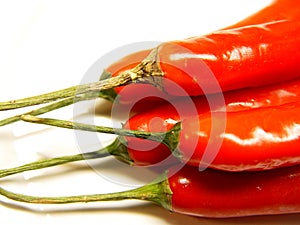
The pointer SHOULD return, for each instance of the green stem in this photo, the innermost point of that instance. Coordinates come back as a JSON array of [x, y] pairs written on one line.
[[53, 106], [39, 99], [74, 91], [169, 138], [39, 111], [158, 191], [116, 149], [108, 94], [148, 71]]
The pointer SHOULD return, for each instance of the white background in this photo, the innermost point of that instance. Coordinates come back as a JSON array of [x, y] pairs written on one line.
[[49, 45]]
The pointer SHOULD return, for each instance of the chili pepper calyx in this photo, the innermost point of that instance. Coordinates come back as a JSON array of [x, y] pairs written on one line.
[[171, 138], [160, 190], [148, 71], [119, 149], [108, 94]]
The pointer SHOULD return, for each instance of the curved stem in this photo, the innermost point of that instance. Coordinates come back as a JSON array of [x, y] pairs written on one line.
[[169, 138], [48, 108], [146, 72], [53, 162], [116, 148], [158, 191], [39, 111], [38, 99], [87, 127], [92, 88]]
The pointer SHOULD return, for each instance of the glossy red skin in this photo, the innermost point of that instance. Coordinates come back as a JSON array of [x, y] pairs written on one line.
[[235, 103], [264, 96], [242, 57], [263, 46], [258, 139], [222, 194]]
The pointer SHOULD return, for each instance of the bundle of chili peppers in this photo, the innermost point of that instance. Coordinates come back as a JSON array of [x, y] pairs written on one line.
[[228, 130]]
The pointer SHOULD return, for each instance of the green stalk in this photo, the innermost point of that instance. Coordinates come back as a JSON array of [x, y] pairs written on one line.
[[56, 95], [38, 99], [157, 191], [52, 162], [36, 112], [147, 71], [108, 94], [94, 89], [56, 105], [117, 148], [169, 138]]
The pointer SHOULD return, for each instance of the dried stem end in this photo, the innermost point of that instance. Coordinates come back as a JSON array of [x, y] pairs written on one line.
[[148, 71]]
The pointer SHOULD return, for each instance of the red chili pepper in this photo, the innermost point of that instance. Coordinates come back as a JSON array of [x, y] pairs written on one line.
[[254, 52], [253, 140], [209, 193], [256, 139], [261, 130], [223, 194], [242, 57]]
